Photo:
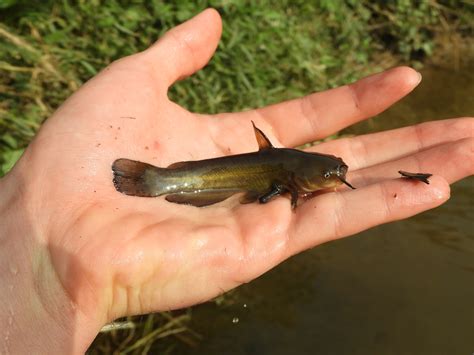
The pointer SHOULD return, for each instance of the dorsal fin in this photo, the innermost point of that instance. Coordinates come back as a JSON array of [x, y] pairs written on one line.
[[262, 140]]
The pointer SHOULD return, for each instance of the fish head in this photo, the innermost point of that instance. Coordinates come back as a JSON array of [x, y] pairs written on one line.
[[322, 172]]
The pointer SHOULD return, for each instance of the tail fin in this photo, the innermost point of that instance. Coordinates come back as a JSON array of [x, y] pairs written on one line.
[[135, 178]]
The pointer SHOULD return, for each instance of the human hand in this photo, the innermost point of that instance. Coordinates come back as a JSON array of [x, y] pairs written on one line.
[[114, 255]]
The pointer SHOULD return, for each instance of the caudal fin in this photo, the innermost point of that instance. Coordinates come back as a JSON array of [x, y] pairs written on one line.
[[135, 178]]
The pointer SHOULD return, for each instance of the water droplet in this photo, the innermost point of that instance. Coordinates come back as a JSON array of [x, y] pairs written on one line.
[[13, 269], [235, 320], [245, 305]]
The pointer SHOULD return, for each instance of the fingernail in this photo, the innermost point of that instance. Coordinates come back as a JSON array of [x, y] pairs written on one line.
[[419, 77]]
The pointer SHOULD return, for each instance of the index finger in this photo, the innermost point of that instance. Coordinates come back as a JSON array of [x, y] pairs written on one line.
[[320, 114]]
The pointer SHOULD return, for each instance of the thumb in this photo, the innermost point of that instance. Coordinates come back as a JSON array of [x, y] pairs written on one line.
[[186, 48]]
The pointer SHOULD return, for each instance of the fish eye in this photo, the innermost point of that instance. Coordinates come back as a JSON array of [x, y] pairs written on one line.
[[327, 174]]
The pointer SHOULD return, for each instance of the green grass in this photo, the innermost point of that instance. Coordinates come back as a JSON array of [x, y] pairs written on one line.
[[270, 51], [136, 335]]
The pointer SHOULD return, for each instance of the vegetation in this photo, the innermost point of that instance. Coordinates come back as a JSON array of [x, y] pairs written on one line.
[[270, 51], [137, 335]]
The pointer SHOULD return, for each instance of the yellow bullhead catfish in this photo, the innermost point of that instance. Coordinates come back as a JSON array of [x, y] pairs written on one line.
[[259, 175]]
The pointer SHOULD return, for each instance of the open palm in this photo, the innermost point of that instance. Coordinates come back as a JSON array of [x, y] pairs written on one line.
[[116, 255]]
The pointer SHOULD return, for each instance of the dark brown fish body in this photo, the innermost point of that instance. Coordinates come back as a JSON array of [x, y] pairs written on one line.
[[260, 175]]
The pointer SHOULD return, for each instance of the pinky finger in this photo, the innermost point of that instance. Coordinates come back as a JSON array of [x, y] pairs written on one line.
[[341, 214]]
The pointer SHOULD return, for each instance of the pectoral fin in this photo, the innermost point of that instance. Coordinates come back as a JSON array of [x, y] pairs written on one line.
[[278, 190], [200, 198], [275, 191]]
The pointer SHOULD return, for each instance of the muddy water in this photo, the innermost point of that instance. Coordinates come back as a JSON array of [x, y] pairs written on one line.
[[401, 288]]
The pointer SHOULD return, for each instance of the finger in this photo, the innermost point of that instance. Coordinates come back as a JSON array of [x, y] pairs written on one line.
[[336, 215], [370, 149], [321, 114], [186, 48], [453, 161]]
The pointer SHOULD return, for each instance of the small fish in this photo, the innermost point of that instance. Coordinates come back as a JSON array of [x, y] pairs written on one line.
[[259, 175], [416, 176]]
